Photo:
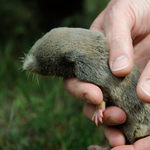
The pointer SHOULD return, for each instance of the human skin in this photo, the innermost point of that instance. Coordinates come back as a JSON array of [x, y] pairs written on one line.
[[126, 25]]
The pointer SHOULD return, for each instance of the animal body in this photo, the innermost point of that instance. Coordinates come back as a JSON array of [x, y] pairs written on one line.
[[70, 52]]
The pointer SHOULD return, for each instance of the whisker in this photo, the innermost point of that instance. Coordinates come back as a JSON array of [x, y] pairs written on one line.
[[21, 58], [33, 76], [32, 69], [28, 74], [21, 69], [25, 54], [25, 74], [22, 61]]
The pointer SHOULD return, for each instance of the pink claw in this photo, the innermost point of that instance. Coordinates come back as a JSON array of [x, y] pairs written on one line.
[[98, 115]]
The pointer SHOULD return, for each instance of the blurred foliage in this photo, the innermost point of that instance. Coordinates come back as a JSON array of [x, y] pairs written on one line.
[[84, 18], [35, 112]]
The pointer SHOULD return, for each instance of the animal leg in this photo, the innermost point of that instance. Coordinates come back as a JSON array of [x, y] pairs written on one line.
[[98, 115]]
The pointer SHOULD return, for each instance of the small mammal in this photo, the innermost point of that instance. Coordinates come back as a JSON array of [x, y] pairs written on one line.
[[70, 52]]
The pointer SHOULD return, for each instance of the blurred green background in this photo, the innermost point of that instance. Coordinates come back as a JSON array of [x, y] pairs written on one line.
[[36, 113]]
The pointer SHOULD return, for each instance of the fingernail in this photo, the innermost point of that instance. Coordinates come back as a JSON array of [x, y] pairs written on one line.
[[87, 98], [112, 121], [145, 86], [120, 63]]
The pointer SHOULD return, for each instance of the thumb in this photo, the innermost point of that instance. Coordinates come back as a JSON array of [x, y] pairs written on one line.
[[118, 33], [116, 22]]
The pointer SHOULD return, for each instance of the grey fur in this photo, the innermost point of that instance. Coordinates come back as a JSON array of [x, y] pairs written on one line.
[[69, 52]]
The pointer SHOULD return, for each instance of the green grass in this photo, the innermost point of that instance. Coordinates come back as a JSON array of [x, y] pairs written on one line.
[[36, 113], [39, 116], [43, 116]]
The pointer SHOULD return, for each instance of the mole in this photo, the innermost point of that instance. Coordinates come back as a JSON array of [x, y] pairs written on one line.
[[83, 53]]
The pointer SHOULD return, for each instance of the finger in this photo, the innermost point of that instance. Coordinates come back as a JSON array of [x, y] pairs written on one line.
[[142, 144], [118, 33], [98, 22], [124, 147], [143, 87], [84, 91], [97, 147], [114, 136], [112, 115]]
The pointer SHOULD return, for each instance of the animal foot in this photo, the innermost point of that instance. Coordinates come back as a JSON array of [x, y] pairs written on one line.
[[98, 115]]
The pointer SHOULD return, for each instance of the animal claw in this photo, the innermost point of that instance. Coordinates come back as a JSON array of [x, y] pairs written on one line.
[[98, 115]]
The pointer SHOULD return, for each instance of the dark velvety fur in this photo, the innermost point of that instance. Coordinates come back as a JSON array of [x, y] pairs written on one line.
[[69, 52]]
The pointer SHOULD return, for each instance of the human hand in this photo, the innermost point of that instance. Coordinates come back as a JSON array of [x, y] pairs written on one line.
[[126, 25], [91, 94], [127, 28], [142, 144]]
